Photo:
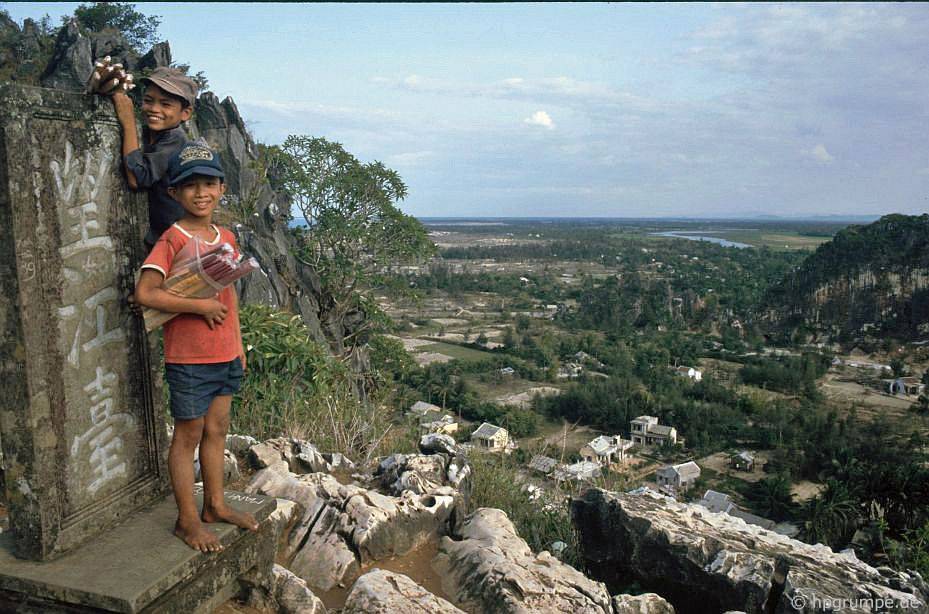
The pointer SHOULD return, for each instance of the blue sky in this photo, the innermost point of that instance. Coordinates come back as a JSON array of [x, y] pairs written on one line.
[[587, 109]]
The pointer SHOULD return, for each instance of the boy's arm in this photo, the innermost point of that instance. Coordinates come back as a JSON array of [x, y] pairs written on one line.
[[125, 113], [149, 293]]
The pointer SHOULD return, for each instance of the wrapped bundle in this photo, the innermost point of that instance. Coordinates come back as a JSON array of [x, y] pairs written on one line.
[[108, 78], [199, 271]]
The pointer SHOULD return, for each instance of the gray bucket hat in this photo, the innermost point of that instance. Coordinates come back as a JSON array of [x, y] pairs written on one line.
[[174, 82]]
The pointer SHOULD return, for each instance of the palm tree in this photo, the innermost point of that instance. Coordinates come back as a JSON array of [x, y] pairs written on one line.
[[831, 516], [772, 497]]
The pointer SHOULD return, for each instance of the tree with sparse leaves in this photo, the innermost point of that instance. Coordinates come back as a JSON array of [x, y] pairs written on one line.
[[140, 30], [354, 230]]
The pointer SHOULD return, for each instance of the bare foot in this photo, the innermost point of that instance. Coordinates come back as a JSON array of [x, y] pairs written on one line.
[[230, 515], [197, 536]]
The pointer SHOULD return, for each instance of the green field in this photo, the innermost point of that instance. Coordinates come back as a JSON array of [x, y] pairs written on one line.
[[455, 351], [783, 240]]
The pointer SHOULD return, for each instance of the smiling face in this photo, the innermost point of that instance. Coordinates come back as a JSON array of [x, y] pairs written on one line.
[[161, 110], [199, 195]]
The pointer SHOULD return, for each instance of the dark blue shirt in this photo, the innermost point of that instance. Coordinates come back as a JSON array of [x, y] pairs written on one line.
[[149, 164]]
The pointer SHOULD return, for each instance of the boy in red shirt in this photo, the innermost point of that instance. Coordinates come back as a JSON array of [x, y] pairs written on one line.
[[204, 361]]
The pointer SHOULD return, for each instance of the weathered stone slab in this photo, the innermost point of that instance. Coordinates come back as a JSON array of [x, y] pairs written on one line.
[[80, 407], [139, 566]]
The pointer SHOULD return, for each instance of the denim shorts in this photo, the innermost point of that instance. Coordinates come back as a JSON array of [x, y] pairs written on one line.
[[193, 387]]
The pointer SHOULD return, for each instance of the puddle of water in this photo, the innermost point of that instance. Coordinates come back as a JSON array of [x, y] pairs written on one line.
[[417, 565]]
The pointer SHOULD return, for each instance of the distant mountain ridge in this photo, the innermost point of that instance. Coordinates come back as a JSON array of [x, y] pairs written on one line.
[[870, 279]]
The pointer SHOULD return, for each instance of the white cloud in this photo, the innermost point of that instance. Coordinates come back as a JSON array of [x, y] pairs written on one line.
[[540, 118], [821, 154]]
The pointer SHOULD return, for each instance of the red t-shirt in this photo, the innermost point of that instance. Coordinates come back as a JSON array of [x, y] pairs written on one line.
[[188, 338]]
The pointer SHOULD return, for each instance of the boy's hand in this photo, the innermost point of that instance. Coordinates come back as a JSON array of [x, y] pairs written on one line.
[[108, 78], [242, 359], [213, 312]]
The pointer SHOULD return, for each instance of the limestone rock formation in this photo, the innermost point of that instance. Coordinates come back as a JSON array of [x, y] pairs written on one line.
[[385, 592], [648, 603], [492, 569], [706, 562], [287, 594], [343, 527]]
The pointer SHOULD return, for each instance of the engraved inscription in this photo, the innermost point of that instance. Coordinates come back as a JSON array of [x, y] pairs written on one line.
[[92, 327]]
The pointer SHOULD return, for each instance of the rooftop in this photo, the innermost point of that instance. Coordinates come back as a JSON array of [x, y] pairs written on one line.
[[487, 430]]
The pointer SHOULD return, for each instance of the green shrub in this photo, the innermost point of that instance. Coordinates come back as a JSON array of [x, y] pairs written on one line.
[[496, 483], [293, 387]]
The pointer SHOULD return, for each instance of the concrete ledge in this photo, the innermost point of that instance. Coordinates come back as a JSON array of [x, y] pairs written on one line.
[[140, 566]]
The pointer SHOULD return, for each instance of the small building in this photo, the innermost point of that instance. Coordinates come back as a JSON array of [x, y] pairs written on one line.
[[645, 431], [570, 370], [506, 371], [424, 411], [906, 385], [605, 450], [690, 373], [543, 464], [491, 438], [582, 471], [720, 503], [743, 461], [716, 502], [675, 479], [446, 425], [583, 357]]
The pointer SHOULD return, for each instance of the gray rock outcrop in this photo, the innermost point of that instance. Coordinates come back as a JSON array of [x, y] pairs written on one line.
[[285, 594], [706, 562], [492, 569], [343, 527], [385, 592], [647, 603]]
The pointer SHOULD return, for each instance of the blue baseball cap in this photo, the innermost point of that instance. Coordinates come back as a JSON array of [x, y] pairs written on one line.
[[194, 158]]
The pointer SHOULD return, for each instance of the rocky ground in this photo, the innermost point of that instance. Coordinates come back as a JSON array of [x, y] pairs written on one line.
[[401, 537]]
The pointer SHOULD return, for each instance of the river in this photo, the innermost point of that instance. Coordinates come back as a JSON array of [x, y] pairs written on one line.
[[690, 236]]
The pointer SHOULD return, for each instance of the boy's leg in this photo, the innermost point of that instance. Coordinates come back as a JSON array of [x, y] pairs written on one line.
[[212, 448], [187, 434]]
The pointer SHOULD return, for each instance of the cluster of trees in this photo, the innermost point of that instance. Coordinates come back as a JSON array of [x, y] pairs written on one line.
[[789, 374]]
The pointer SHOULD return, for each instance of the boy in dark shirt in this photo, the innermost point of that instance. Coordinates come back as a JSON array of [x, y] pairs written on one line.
[[167, 101]]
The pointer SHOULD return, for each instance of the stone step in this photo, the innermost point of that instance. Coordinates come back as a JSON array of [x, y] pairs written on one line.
[[140, 566]]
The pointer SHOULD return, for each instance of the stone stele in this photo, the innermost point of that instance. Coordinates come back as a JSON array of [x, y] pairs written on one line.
[[82, 441]]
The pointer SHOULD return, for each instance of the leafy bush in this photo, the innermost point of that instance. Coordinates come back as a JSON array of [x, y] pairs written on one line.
[[293, 387], [540, 522]]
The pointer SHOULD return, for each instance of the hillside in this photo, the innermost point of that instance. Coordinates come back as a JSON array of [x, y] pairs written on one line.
[[870, 279]]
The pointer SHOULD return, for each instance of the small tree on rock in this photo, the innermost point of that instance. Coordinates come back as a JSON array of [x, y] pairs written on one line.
[[354, 231], [140, 30]]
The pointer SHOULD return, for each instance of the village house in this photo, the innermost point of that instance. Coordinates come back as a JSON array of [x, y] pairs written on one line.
[[720, 503], [583, 357], [605, 450], [506, 371], [582, 471], [905, 385], [446, 425], [743, 461], [423, 411], [491, 438], [543, 464], [645, 431], [675, 479], [690, 373], [570, 370]]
